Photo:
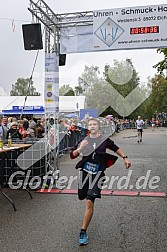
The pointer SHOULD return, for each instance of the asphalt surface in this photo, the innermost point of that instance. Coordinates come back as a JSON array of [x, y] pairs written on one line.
[[51, 222]]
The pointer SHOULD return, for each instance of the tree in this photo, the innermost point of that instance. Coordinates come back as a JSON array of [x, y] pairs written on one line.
[[145, 109], [88, 78], [24, 87], [159, 94], [66, 90], [124, 82], [78, 90], [104, 93], [99, 96], [162, 65], [107, 96], [70, 93]]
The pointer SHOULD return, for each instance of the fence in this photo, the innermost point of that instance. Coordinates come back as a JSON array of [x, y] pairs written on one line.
[[73, 136]]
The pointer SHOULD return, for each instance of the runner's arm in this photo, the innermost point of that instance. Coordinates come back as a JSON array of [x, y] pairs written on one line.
[[78, 148], [127, 162]]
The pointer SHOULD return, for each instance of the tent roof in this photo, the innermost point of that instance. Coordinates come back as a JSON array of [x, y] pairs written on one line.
[[67, 104]]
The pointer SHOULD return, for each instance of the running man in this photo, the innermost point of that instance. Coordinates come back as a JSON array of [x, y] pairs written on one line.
[[139, 127], [92, 166], [153, 124]]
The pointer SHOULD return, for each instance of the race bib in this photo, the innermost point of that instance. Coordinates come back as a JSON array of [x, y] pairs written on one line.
[[91, 168]]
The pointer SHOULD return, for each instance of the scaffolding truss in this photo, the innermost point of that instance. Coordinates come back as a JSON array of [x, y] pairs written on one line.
[[53, 23], [43, 12]]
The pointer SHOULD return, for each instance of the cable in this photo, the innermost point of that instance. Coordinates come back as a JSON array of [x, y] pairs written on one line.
[[29, 83], [17, 20]]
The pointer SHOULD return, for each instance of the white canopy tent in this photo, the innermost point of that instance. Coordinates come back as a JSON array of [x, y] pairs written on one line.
[[67, 104]]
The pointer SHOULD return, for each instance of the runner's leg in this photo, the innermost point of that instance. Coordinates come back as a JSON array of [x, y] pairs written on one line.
[[138, 137], [141, 134], [89, 208]]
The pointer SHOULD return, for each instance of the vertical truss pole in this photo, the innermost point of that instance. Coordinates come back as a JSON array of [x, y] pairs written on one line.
[[52, 22], [52, 102]]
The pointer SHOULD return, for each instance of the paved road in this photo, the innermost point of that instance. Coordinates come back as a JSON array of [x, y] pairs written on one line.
[[51, 222]]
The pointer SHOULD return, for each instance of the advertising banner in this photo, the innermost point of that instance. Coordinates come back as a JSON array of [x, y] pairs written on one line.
[[130, 28], [51, 82], [118, 29]]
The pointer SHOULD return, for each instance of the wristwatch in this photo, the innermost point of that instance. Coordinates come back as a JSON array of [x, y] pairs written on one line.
[[125, 157]]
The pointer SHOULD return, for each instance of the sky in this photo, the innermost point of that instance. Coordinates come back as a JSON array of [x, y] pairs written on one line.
[[18, 63]]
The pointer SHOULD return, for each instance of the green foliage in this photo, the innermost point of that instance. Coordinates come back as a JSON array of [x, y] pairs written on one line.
[[121, 70], [159, 94], [162, 65], [102, 93], [88, 78], [70, 93], [23, 87], [78, 90], [66, 90], [157, 101]]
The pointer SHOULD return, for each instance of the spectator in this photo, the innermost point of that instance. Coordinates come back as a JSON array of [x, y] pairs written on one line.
[[5, 121], [14, 130], [25, 123], [31, 131], [22, 130], [40, 131], [3, 130]]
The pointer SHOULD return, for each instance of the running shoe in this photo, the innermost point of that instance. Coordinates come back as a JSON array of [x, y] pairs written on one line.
[[83, 238]]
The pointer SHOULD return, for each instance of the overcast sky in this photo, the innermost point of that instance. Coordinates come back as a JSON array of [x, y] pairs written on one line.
[[18, 63]]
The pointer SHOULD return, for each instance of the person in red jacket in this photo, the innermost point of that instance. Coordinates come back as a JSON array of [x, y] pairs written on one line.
[[93, 163]]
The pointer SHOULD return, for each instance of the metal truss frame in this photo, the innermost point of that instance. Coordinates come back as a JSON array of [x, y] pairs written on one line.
[[45, 15], [53, 23]]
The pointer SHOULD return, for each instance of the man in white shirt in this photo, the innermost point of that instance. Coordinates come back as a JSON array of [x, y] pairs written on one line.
[[139, 127], [3, 130]]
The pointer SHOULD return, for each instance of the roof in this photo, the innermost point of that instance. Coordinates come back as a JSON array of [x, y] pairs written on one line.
[[67, 104]]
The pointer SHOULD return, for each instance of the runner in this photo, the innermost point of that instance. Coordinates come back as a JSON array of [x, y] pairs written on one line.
[[153, 124], [92, 167], [139, 127]]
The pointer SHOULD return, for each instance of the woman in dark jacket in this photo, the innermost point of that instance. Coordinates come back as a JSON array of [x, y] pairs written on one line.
[[14, 131]]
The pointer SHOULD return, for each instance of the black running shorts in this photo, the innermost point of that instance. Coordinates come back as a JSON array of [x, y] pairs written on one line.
[[89, 185]]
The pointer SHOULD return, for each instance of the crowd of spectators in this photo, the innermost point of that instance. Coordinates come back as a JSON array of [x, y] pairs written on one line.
[[31, 128], [21, 129], [73, 128]]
